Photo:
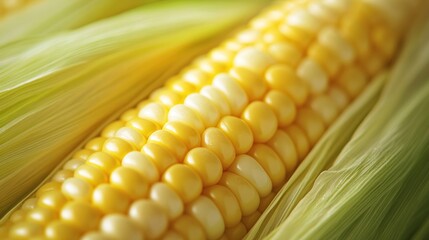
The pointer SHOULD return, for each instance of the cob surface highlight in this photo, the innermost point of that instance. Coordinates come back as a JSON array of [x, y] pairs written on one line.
[[204, 155]]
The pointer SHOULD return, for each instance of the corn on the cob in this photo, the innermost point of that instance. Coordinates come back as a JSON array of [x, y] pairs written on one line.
[[204, 155]]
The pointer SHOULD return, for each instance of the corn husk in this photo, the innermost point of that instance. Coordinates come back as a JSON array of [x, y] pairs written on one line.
[[56, 91]]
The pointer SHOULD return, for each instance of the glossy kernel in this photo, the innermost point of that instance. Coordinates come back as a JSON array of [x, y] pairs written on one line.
[[81, 215], [103, 161], [144, 126], [185, 133], [218, 98], [150, 217], [62, 175], [73, 163], [237, 97], [238, 132], [48, 187], [283, 145], [253, 59], [226, 202], [282, 105], [189, 228], [129, 181], [204, 108], [90, 174], [131, 136], [95, 144], [215, 140], [110, 199], [206, 164], [236, 232], [270, 162], [117, 147], [286, 53], [167, 198], [252, 83], [248, 168], [261, 120], [141, 164], [314, 75], [155, 112], [53, 200], [205, 211], [119, 226], [300, 139], [159, 155], [169, 141], [325, 107], [42, 215], [184, 180], [110, 130], [246, 195], [186, 115], [311, 123], [76, 188], [60, 230], [25, 230]]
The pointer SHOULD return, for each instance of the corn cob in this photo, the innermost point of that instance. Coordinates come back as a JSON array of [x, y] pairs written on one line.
[[204, 155]]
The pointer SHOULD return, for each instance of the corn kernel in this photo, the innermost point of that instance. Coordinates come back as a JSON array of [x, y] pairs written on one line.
[[311, 123], [261, 119], [150, 217], [282, 105], [185, 133], [119, 226], [297, 36], [25, 230], [186, 115], [170, 142], [197, 78], [110, 130], [143, 126], [205, 109], [301, 19], [218, 99], [352, 79], [129, 114], [131, 136], [72, 164], [236, 96], [236, 232], [129, 181], [166, 97], [103, 161], [76, 188], [226, 203], [325, 58], [117, 147], [270, 162], [167, 198], [189, 228], [206, 164], [215, 140], [253, 60], [81, 215], [159, 155], [339, 96], [283, 145], [141, 164], [300, 140], [286, 53], [95, 144], [325, 107], [110, 199], [253, 84], [184, 180], [238, 132], [313, 74], [155, 112], [332, 39], [52, 200], [41, 215], [61, 230]]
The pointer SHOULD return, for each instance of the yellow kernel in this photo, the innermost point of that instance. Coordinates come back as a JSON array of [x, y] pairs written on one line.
[[352, 79], [206, 164], [332, 39], [282, 105], [42, 215], [356, 31], [204, 108], [186, 115], [250, 220], [18, 216], [325, 58], [131, 136], [283, 145], [29, 203], [231, 45], [246, 195], [249, 36], [339, 96], [129, 114], [215, 140], [94, 235], [253, 84], [303, 20], [265, 202], [91, 174], [47, 187], [172, 235], [283, 77], [182, 87], [235, 94], [72, 164], [150, 217], [53, 200], [238, 132], [129, 181], [248, 168], [81, 215], [322, 13], [189, 228], [61, 230], [110, 130], [253, 60], [207, 214], [286, 53], [209, 66], [273, 36], [103, 161], [159, 155], [312, 73], [25, 230], [76, 188], [185, 133], [82, 154], [325, 107], [218, 99], [300, 38], [270, 162], [117, 147], [184, 180], [169, 141], [167, 198], [95, 144], [261, 119], [197, 77], [144, 126], [337, 5], [166, 97], [119, 226], [155, 112], [236, 232], [222, 56], [226, 203], [373, 64], [109, 199], [311, 123], [300, 140], [62, 175], [260, 23], [141, 164], [385, 41]]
